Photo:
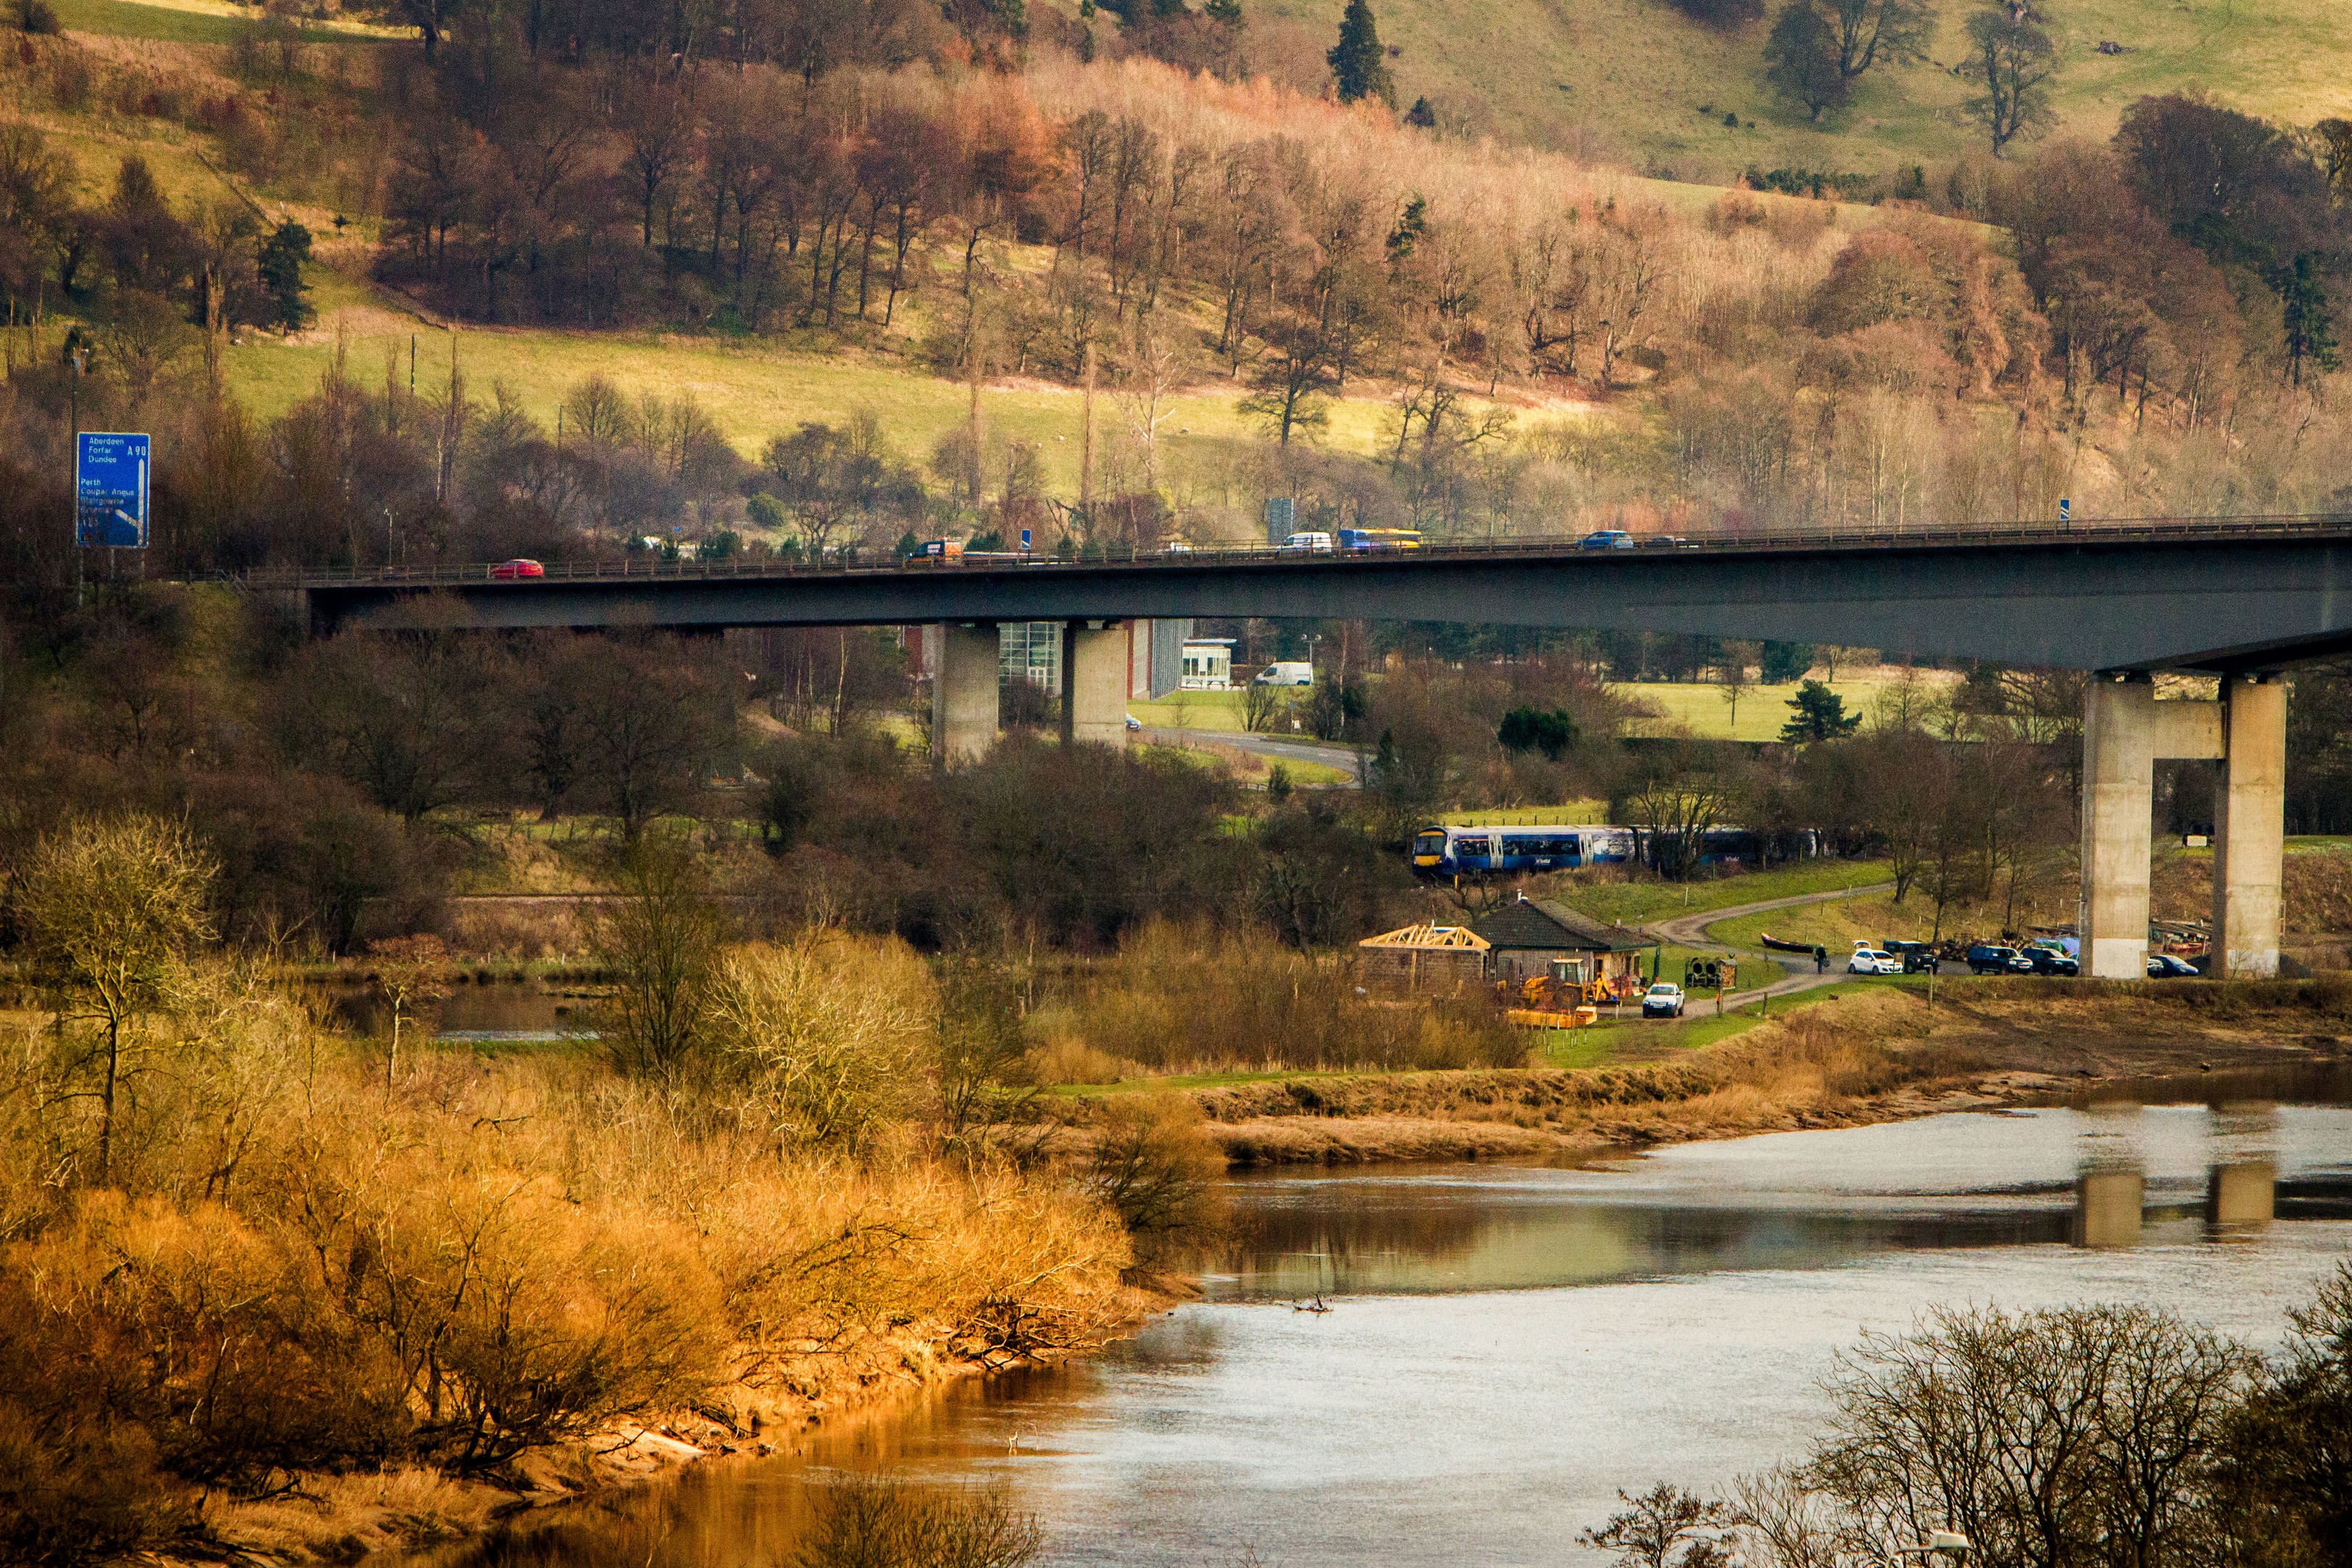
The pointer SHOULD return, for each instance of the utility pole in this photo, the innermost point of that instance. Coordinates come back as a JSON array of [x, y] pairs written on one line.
[[74, 446], [1086, 450]]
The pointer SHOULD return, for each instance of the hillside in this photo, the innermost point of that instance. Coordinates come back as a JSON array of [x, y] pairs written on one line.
[[1637, 81], [1281, 294]]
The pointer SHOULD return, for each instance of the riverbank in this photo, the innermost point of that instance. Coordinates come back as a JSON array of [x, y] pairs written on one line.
[[817, 1397], [1846, 1059]]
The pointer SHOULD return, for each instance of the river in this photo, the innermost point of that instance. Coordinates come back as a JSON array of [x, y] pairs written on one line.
[[1507, 1345]]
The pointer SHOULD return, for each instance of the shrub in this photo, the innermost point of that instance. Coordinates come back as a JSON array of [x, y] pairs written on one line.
[[39, 17], [1157, 1169], [827, 1030]]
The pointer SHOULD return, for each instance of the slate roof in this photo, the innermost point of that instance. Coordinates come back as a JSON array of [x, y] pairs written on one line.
[[1547, 925]]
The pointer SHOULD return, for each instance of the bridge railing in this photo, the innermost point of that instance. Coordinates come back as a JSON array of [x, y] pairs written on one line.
[[1547, 547]]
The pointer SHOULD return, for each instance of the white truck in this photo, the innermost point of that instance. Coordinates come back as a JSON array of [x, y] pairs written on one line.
[[1293, 672]]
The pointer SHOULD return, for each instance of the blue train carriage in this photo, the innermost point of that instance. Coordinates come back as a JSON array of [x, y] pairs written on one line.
[[1441, 851]]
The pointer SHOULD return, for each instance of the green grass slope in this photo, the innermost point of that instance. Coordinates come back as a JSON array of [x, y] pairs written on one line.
[[1656, 86]]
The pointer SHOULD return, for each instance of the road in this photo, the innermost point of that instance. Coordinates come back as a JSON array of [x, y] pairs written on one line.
[[1278, 748], [1689, 931]]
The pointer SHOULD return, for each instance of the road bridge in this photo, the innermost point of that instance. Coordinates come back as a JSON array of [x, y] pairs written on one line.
[[2242, 598]]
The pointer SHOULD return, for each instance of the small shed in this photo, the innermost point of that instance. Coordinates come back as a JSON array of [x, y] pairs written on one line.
[[1528, 936], [1426, 957], [1208, 664]]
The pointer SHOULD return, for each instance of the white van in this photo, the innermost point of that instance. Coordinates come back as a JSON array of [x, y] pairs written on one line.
[[1295, 672], [1308, 541]]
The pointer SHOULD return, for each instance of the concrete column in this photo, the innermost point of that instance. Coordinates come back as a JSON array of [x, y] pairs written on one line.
[[2249, 829], [2241, 1195], [1094, 683], [2107, 1207], [2118, 796], [963, 693]]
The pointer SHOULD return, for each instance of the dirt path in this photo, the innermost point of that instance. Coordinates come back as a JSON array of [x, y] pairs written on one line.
[[1690, 930]]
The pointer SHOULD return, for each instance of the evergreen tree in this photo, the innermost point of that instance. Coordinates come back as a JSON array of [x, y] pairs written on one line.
[[1358, 62], [2310, 334], [280, 266], [1817, 713], [1784, 662]]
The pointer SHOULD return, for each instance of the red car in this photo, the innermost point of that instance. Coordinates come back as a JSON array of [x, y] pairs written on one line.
[[509, 570]]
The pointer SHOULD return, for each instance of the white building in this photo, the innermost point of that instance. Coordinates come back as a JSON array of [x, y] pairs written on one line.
[[1208, 664]]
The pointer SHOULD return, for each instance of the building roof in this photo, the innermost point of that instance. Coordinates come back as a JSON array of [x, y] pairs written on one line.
[[1546, 925], [1428, 937]]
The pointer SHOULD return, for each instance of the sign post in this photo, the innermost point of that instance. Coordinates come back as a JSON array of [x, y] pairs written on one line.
[[110, 491]]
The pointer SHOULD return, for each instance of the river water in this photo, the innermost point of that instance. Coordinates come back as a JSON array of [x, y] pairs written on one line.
[[1507, 1345]]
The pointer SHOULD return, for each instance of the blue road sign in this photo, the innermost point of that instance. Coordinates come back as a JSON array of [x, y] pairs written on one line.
[[110, 491], [2066, 510], [1024, 539]]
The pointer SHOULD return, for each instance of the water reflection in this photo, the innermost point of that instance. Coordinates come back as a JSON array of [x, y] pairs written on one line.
[[1508, 1346]]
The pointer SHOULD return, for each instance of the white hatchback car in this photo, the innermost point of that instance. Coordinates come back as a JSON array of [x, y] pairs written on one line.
[[1870, 960]]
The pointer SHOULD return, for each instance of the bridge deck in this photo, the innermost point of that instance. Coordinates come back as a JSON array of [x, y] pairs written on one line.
[[2212, 594]]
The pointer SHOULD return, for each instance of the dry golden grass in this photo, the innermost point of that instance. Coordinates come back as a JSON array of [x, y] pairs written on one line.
[[307, 1263], [1197, 999]]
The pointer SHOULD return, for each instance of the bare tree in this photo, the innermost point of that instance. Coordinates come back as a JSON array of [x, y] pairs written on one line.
[[108, 909], [2071, 1435], [1665, 1527], [409, 977], [659, 932]]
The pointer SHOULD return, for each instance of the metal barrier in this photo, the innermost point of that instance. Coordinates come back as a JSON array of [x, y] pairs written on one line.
[[1550, 548]]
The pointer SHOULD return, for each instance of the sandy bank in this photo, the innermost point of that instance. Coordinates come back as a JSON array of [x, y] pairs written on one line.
[[1838, 1062]]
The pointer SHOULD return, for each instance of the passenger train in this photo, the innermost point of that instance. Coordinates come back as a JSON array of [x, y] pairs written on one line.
[[1441, 851]]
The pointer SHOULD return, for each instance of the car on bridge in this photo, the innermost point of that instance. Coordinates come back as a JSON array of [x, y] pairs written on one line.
[[1309, 542], [1663, 542], [511, 571], [1607, 539], [1663, 1000]]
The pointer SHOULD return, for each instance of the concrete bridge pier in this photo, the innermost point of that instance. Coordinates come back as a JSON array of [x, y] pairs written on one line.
[[964, 672], [2250, 828], [1095, 656], [2125, 731]]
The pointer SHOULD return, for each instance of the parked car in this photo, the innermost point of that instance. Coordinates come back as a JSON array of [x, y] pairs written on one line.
[[508, 571], [1663, 1000], [1308, 541], [2052, 960], [1290, 673], [2165, 966], [1134, 723], [1985, 959], [1915, 957], [1870, 960], [1607, 539]]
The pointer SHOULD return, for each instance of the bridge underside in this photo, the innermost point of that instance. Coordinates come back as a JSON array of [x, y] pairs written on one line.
[[2223, 607], [2244, 608]]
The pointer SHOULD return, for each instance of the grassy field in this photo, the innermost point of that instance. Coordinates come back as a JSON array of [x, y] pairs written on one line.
[[1871, 917], [196, 22], [1687, 706], [1632, 903], [1637, 76], [1519, 815], [754, 390], [1698, 707]]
